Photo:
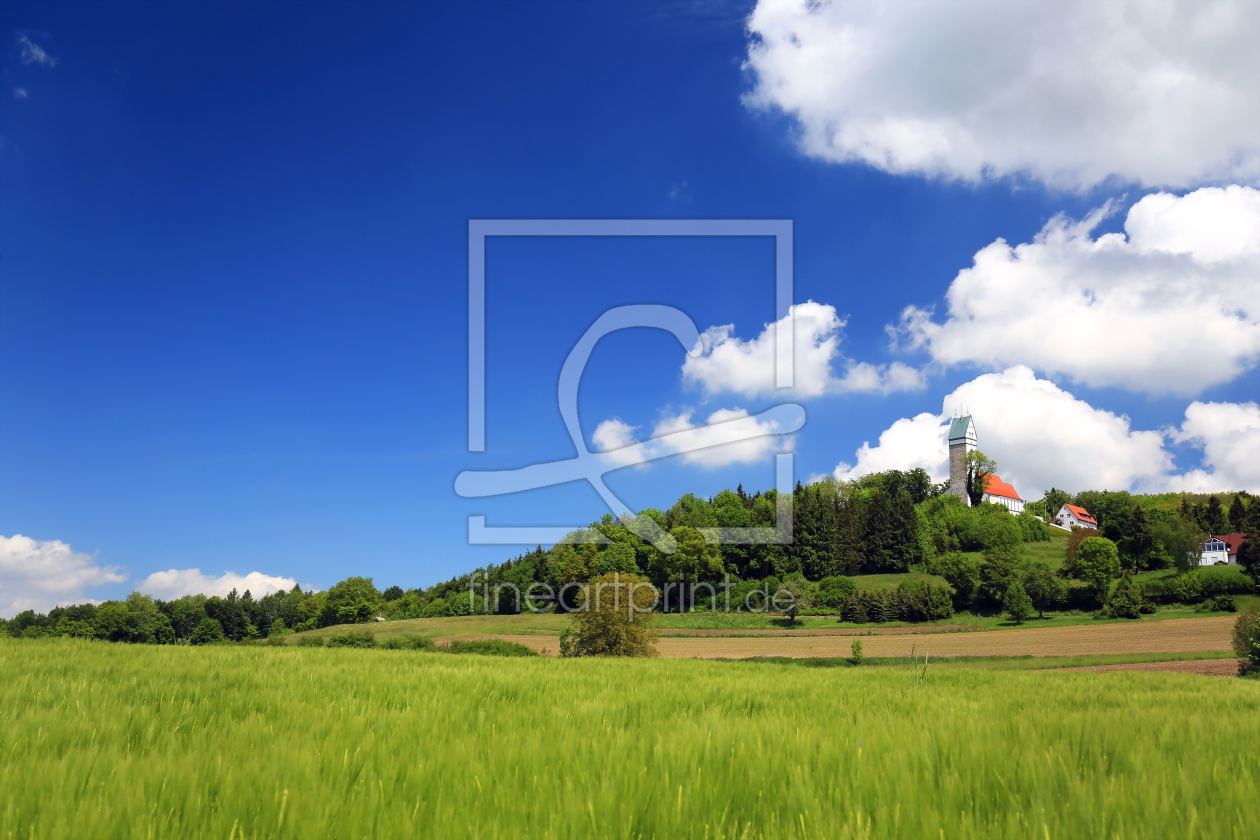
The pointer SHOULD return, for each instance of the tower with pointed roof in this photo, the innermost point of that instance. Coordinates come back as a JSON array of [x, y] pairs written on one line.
[[962, 439]]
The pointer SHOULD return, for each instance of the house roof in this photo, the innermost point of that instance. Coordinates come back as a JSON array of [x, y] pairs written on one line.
[[995, 486], [959, 427], [1082, 514], [1232, 541]]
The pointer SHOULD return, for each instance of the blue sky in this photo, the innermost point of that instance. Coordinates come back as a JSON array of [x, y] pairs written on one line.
[[233, 265]]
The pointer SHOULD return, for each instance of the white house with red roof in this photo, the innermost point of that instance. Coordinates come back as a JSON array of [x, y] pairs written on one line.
[[999, 492], [1221, 549], [1072, 516]]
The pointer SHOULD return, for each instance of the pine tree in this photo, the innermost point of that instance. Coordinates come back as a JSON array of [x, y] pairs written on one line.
[[1237, 514], [804, 529], [850, 523], [1139, 540], [1126, 601], [1249, 555], [904, 529], [1214, 521], [879, 537], [854, 610]]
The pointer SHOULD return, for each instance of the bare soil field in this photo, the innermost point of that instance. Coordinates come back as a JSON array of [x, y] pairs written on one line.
[[1208, 667], [877, 631], [1171, 636]]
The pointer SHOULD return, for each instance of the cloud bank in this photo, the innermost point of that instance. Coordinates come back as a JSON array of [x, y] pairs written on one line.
[[40, 574], [176, 583], [1173, 307], [1070, 93], [1042, 436]]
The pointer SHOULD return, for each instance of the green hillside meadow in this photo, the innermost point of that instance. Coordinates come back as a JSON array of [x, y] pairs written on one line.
[[133, 741]]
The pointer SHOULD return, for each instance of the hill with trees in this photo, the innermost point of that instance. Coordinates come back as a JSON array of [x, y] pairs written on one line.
[[934, 555]]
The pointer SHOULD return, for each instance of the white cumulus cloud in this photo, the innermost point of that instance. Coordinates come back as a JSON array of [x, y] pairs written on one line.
[[1040, 436], [40, 574], [728, 436], [1173, 307], [730, 364], [1070, 93], [1229, 434], [176, 583]]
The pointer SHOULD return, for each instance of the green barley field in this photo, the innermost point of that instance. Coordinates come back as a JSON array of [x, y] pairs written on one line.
[[118, 741]]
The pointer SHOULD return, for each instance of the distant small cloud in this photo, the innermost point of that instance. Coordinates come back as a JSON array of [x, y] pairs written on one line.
[[20, 93], [33, 53]]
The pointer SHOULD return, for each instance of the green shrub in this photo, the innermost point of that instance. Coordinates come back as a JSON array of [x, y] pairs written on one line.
[[1195, 586], [833, 591], [963, 574], [489, 647], [353, 639], [1246, 642], [310, 641], [409, 643], [207, 632], [918, 600], [1222, 603]]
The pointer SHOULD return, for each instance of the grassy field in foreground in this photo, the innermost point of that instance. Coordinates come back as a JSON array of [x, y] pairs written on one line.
[[119, 741], [1001, 663]]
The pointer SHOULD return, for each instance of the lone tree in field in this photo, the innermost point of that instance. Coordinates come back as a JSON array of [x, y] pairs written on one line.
[[1017, 603], [792, 597], [1097, 564], [1044, 587], [614, 617]]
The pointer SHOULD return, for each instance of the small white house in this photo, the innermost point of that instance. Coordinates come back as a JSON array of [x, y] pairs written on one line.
[[1222, 550], [999, 492], [1072, 516]]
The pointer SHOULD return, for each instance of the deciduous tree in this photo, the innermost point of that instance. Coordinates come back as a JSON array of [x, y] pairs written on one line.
[[1097, 564], [1017, 603], [979, 467], [614, 618], [1044, 587]]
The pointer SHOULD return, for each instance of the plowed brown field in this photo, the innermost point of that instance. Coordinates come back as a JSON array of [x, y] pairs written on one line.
[[1209, 667], [1171, 636], [877, 631]]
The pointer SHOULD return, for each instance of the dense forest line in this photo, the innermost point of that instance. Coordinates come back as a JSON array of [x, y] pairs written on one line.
[[883, 523]]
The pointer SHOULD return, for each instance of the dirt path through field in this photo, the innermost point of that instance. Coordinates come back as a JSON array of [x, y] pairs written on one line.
[[1180, 635], [1209, 667]]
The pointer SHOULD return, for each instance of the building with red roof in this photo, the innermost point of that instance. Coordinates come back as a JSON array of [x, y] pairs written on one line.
[[1221, 549], [1073, 516], [999, 492]]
